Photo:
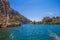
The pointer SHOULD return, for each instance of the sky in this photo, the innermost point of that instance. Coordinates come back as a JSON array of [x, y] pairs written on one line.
[[36, 9]]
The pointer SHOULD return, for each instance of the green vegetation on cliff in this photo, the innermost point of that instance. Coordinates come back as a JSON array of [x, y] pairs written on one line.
[[16, 17]]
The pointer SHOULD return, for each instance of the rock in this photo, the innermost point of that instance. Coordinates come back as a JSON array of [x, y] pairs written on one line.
[[10, 17]]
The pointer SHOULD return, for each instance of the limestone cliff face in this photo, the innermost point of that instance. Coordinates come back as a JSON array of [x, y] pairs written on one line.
[[4, 10], [9, 16]]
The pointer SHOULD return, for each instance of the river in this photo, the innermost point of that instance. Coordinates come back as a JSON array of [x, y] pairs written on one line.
[[31, 32]]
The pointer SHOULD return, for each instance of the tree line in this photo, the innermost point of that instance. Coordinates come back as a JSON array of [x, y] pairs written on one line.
[[48, 20]]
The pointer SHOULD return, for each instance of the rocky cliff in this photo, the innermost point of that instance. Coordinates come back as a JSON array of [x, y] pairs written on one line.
[[16, 16], [9, 16]]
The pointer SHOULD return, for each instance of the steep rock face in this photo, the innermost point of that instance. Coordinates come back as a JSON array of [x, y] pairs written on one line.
[[16, 16], [9, 16], [4, 9]]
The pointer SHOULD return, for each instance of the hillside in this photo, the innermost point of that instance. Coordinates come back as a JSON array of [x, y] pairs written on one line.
[[10, 17], [16, 16], [48, 20]]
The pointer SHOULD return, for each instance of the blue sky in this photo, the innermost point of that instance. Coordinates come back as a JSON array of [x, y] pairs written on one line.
[[36, 9]]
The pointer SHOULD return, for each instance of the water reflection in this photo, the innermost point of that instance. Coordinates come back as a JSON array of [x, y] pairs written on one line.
[[31, 32], [53, 35], [4, 33]]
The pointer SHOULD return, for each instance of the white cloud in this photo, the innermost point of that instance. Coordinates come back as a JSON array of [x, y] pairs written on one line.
[[50, 13]]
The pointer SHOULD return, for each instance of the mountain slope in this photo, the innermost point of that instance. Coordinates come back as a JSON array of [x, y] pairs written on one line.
[[13, 14]]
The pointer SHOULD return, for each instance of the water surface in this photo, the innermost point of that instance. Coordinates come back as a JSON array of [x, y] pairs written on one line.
[[33, 32]]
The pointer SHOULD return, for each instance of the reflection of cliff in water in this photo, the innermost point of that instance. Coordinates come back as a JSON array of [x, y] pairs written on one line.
[[4, 33]]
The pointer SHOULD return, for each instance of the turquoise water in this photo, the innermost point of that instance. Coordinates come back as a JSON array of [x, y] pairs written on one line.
[[34, 32]]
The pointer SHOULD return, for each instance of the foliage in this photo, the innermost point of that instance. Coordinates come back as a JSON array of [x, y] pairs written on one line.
[[48, 20]]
